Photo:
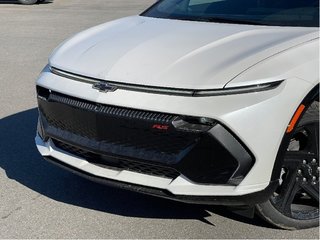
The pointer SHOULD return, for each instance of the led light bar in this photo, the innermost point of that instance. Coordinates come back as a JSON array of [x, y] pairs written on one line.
[[169, 91]]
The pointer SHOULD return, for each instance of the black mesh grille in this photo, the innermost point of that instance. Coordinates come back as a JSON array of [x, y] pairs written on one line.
[[119, 164], [73, 150], [128, 129], [111, 110]]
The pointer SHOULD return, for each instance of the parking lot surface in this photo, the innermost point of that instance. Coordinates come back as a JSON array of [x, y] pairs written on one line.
[[39, 200]]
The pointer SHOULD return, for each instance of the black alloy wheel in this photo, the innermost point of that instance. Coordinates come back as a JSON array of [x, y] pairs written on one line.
[[295, 204]]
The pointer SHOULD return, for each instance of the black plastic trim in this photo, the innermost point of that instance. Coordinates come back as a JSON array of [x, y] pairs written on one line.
[[243, 200], [237, 149]]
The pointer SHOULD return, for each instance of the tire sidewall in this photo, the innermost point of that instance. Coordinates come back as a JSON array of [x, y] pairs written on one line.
[[28, 2]]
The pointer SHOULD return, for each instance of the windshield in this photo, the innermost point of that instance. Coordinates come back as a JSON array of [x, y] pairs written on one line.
[[304, 13]]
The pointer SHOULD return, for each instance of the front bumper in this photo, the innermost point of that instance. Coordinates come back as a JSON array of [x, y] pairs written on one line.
[[128, 139], [120, 144], [180, 189]]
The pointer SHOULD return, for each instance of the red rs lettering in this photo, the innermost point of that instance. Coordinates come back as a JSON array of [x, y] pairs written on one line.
[[160, 127]]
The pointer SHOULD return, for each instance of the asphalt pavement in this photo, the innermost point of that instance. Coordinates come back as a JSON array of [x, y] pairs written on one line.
[[39, 200]]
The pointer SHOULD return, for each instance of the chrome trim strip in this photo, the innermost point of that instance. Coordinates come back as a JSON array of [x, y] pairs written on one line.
[[170, 91]]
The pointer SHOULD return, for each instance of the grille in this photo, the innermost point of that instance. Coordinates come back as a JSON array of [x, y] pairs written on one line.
[[111, 110], [116, 163], [128, 130], [73, 150]]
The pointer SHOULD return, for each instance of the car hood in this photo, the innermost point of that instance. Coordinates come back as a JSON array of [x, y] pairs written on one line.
[[173, 53]]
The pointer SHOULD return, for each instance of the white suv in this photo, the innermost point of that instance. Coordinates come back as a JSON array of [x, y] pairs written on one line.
[[200, 101]]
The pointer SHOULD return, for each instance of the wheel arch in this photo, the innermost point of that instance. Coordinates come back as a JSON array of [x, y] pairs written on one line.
[[313, 95]]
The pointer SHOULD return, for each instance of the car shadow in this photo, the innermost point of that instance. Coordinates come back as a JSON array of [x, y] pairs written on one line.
[[21, 162], [17, 2]]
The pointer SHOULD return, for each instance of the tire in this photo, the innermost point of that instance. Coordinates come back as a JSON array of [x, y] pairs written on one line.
[[295, 204], [28, 2]]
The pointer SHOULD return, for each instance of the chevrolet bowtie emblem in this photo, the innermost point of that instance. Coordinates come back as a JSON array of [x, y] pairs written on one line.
[[104, 87]]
